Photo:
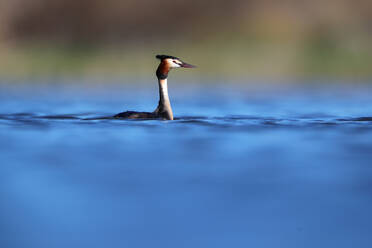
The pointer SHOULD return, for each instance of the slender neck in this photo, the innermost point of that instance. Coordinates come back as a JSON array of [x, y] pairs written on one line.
[[164, 108]]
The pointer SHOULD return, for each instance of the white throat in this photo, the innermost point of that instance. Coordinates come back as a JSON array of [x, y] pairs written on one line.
[[163, 88], [164, 108]]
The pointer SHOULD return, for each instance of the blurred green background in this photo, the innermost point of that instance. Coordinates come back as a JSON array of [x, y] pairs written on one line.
[[235, 38]]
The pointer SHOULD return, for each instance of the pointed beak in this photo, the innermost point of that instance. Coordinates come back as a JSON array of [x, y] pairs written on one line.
[[185, 65]]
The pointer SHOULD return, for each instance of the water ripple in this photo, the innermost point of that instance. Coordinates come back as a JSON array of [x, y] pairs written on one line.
[[224, 121]]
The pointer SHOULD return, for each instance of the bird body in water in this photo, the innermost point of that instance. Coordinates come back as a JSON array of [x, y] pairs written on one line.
[[164, 109]]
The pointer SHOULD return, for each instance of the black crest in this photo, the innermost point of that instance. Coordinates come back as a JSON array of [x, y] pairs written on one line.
[[161, 57]]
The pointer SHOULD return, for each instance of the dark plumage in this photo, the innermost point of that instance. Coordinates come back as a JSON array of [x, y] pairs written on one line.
[[137, 115], [161, 57]]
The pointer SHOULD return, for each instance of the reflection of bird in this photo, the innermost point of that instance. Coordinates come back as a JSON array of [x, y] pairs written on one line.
[[164, 109]]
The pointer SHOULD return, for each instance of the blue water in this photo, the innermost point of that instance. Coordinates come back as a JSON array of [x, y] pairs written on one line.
[[241, 166]]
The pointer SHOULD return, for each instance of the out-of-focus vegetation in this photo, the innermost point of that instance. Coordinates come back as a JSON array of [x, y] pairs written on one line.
[[256, 38]]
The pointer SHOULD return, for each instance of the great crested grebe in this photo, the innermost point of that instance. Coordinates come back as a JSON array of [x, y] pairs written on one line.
[[164, 109]]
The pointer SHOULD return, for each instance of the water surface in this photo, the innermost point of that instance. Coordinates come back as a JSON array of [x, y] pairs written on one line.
[[240, 166]]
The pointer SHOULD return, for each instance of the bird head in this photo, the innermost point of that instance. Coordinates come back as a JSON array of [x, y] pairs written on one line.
[[173, 62]]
